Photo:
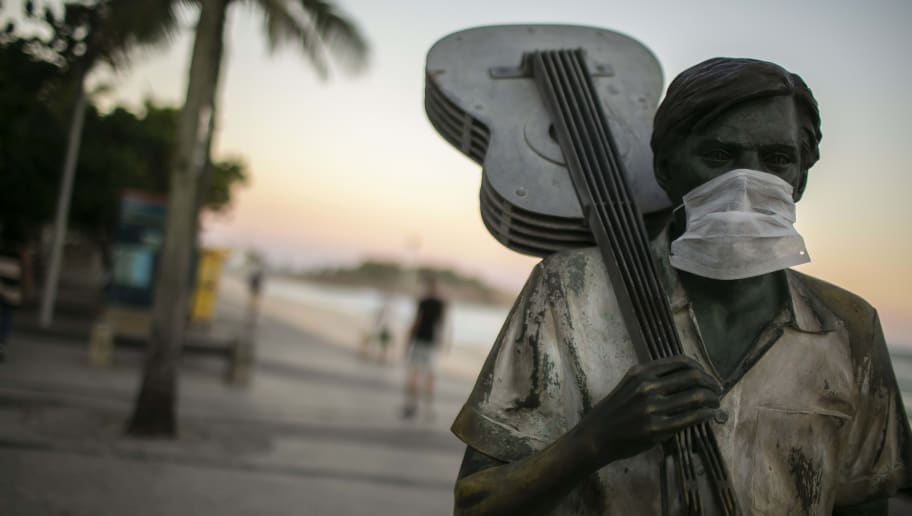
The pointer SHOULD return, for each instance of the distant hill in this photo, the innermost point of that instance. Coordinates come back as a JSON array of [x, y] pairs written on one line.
[[393, 277]]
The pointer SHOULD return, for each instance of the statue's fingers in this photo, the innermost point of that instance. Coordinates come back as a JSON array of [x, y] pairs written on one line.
[[687, 401], [669, 365], [688, 379], [684, 420]]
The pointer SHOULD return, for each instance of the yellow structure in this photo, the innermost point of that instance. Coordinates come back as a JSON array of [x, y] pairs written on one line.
[[136, 322], [121, 321], [208, 273]]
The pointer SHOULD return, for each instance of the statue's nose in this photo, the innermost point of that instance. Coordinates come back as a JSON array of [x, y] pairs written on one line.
[[750, 160]]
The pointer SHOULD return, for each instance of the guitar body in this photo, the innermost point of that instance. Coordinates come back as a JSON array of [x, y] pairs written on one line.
[[481, 100]]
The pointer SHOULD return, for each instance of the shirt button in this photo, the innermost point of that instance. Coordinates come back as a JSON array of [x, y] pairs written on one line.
[[721, 417]]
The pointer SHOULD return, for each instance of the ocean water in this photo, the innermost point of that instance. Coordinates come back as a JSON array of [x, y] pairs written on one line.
[[472, 325], [902, 366]]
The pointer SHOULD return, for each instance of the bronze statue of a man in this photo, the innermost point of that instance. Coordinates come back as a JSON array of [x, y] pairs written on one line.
[[792, 372]]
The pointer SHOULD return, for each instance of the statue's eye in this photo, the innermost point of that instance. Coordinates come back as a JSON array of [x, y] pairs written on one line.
[[717, 156], [777, 158]]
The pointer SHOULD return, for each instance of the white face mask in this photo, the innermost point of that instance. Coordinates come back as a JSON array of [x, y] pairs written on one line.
[[739, 224]]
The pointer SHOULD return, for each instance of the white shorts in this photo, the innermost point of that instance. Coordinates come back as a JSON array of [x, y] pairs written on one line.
[[422, 355]]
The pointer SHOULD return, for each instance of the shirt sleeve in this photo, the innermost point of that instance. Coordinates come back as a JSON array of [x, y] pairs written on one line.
[[519, 404], [878, 455]]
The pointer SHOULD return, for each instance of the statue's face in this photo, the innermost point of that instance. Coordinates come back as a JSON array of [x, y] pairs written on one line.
[[760, 135]]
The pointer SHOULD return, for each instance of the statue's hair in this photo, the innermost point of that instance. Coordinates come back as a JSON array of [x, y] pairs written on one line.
[[706, 90]]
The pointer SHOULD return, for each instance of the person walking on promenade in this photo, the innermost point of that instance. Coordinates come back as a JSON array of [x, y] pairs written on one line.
[[424, 340], [381, 333], [14, 281]]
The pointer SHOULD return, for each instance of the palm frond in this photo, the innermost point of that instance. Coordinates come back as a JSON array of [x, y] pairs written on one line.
[[338, 32], [129, 24], [318, 28], [283, 28]]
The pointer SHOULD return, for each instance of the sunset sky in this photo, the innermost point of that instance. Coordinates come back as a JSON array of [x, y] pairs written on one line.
[[350, 168]]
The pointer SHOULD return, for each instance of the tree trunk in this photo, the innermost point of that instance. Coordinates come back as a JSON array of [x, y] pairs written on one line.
[[205, 179], [155, 412], [74, 141]]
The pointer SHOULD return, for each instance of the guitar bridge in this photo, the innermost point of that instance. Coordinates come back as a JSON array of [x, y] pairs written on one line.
[[524, 71]]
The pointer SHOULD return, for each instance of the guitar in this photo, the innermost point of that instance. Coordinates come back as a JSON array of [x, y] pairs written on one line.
[[479, 100], [511, 120]]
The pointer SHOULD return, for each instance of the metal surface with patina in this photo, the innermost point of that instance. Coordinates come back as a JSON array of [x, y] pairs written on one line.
[[585, 137], [483, 101]]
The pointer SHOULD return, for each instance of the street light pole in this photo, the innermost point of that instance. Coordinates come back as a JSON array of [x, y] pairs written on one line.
[[49, 293]]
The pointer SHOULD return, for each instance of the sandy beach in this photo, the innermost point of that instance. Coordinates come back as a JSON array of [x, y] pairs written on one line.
[[347, 328]]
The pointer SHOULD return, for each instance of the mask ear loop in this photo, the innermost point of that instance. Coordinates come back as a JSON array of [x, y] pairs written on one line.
[[678, 221]]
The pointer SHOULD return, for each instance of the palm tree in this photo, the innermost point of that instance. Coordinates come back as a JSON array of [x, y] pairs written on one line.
[[318, 28], [106, 31]]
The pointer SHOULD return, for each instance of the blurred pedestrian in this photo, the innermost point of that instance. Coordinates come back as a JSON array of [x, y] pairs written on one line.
[[15, 284], [255, 288], [255, 283], [381, 333], [425, 338]]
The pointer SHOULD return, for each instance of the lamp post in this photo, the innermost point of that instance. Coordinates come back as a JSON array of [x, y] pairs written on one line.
[[49, 292]]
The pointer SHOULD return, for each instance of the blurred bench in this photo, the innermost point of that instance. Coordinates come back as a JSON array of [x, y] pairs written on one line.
[[126, 327]]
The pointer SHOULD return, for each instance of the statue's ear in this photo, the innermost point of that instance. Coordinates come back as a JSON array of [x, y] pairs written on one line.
[[660, 169], [664, 177]]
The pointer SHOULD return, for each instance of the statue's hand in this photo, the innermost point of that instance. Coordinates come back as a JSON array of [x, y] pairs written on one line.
[[651, 403]]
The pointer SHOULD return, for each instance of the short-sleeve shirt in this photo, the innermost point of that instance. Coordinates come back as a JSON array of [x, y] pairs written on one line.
[[430, 314], [10, 278], [815, 422]]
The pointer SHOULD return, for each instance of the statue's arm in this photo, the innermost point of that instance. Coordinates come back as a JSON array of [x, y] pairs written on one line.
[[651, 403], [532, 486], [879, 507]]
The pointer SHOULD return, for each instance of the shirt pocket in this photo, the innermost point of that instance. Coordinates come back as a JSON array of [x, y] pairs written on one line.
[[794, 461]]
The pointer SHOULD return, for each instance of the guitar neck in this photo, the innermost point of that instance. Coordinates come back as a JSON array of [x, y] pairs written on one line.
[[608, 206], [584, 136]]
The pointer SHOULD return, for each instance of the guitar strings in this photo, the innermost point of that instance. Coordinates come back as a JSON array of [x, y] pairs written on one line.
[[632, 224], [560, 72], [552, 82], [698, 435], [577, 114], [620, 218], [693, 438]]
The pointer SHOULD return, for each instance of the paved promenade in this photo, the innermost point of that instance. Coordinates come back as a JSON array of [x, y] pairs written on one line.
[[317, 433]]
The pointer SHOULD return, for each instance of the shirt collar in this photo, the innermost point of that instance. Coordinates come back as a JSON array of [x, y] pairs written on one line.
[[807, 313]]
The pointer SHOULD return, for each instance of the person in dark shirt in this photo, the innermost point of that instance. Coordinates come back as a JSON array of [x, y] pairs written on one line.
[[15, 275], [424, 340]]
